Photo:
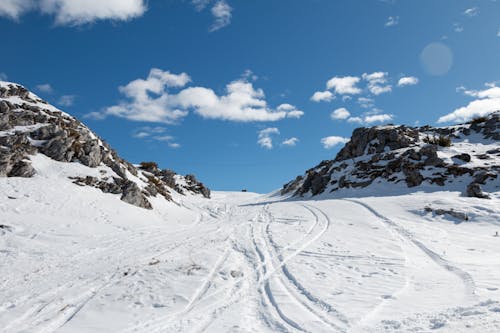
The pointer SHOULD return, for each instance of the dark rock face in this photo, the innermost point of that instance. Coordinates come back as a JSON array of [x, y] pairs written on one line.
[[397, 154], [65, 139]]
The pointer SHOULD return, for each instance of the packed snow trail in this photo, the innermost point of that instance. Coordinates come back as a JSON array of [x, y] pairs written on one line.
[[242, 262]]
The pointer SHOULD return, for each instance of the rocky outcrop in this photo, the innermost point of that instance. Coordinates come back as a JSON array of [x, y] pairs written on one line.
[[410, 155], [29, 125]]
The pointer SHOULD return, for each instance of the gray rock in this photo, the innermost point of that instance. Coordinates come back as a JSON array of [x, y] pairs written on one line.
[[132, 194], [22, 169], [58, 149], [463, 157], [475, 190], [429, 151], [434, 161]]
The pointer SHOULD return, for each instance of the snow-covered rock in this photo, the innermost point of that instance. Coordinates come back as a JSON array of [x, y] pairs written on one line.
[[464, 157], [30, 126]]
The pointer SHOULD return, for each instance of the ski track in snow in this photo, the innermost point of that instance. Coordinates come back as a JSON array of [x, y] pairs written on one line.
[[244, 265]]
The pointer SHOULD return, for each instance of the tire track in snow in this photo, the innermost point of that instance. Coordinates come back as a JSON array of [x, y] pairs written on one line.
[[266, 288], [466, 278], [319, 308]]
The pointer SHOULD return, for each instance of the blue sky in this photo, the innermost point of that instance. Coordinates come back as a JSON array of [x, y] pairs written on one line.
[[249, 94]]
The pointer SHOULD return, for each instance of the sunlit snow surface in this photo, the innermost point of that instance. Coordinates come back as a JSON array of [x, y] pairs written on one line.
[[73, 259]]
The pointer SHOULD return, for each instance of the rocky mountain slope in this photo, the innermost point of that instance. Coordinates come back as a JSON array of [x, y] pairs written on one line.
[[464, 157], [29, 126]]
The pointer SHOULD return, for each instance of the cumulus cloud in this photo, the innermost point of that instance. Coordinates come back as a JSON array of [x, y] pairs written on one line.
[[290, 142], [366, 102], [14, 9], [392, 21], [265, 139], [487, 101], [377, 82], [332, 141], [322, 96], [66, 100], [340, 114], [474, 11], [151, 100], [290, 110], [357, 120], [407, 81], [377, 118], [45, 88], [76, 12], [221, 12], [3, 76], [345, 85], [368, 118]]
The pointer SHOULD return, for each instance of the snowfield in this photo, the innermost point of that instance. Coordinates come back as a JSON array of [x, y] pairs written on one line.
[[73, 259]]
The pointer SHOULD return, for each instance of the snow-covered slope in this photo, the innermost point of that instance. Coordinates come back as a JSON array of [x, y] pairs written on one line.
[[380, 258], [30, 127]]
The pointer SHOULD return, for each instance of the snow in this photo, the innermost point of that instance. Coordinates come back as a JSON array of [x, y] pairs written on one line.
[[74, 259]]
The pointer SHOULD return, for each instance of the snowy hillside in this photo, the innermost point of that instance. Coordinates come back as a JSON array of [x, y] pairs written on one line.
[[30, 127], [400, 253], [399, 158]]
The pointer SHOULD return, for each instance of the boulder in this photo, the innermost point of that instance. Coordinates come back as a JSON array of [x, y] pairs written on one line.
[[475, 190], [133, 195]]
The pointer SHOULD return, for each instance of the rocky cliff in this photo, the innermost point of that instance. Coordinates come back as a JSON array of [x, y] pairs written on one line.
[[465, 156], [30, 126]]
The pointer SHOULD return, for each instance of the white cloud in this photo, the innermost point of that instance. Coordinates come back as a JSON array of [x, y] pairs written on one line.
[[264, 137], [200, 4], [377, 118], [339, 114], [150, 100], [221, 12], [46, 88], [290, 142], [332, 141], [486, 102], [407, 81], [290, 110], [366, 102], [249, 75], [344, 85], [377, 82], [174, 145], [14, 9], [66, 100], [371, 117], [357, 120], [474, 11], [3, 76], [498, 33], [322, 96], [157, 133], [392, 21], [76, 12]]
